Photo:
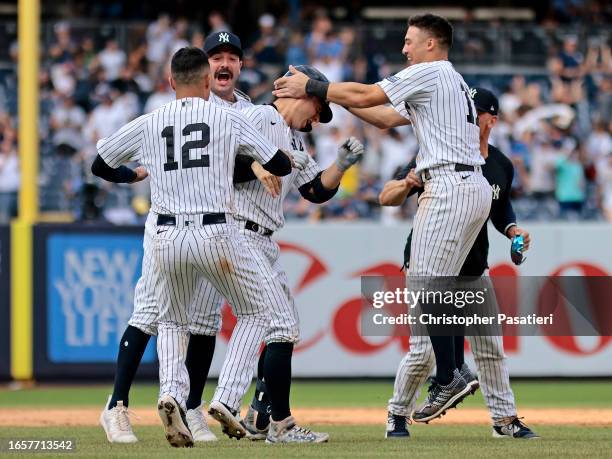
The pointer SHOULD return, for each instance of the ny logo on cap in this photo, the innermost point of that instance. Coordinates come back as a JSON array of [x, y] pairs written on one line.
[[224, 37], [472, 92]]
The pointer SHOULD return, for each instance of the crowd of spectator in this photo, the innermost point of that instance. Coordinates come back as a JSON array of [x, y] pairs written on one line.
[[555, 126]]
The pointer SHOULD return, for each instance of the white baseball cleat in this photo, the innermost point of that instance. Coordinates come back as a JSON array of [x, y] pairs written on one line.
[[196, 421], [116, 423], [175, 425], [232, 427]]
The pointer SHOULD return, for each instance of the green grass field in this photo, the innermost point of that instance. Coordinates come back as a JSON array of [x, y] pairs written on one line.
[[350, 393], [353, 441], [565, 440]]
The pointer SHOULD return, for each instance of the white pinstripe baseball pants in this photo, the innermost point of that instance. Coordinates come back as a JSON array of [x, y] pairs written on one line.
[[451, 212], [185, 254], [419, 363], [146, 309], [144, 316], [283, 325]]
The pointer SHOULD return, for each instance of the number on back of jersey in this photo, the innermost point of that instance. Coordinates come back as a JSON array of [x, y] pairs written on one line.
[[186, 162]]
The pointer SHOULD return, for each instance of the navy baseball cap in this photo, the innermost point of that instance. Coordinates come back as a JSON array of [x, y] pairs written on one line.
[[219, 39], [326, 114], [485, 101]]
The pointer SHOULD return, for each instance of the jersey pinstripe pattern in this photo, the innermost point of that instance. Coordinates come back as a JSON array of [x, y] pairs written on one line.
[[242, 101], [419, 362], [253, 202], [175, 141], [438, 103], [190, 176], [146, 310]]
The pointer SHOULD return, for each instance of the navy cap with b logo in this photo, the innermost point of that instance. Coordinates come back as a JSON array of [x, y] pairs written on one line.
[[485, 101], [226, 39]]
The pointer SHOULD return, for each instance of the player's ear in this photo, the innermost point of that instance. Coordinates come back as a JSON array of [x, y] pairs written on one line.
[[206, 81], [172, 83]]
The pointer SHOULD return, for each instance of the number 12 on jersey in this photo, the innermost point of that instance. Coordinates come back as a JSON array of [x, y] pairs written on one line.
[[186, 162]]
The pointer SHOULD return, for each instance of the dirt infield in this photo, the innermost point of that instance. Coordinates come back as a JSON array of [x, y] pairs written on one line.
[[88, 416]]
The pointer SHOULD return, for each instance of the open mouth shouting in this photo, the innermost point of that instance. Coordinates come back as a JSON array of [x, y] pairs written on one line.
[[224, 76]]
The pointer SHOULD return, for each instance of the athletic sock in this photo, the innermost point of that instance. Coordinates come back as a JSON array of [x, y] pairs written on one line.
[[131, 349], [277, 375], [459, 351], [260, 363], [444, 350], [261, 402], [200, 353]]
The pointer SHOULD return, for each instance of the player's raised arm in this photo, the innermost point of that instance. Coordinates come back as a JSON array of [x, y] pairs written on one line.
[[346, 94], [324, 185], [121, 147], [382, 117]]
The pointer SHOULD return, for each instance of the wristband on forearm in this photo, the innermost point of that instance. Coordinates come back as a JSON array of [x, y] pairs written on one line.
[[317, 88], [122, 174], [127, 174]]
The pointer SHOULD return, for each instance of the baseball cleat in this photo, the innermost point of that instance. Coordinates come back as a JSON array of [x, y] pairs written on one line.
[[116, 423], [175, 423], [229, 420], [196, 421], [250, 424], [470, 378], [397, 426], [515, 429], [287, 431], [441, 398]]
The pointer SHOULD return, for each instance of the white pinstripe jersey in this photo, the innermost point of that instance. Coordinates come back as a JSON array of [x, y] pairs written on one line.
[[253, 202], [188, 146], [438, 103], [242, 101]]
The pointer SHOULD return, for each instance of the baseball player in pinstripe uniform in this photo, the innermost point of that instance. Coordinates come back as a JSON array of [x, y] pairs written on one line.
[[189, 148], [259, 211], [224, 51], [224, 57], [488, 350], [431, 95]]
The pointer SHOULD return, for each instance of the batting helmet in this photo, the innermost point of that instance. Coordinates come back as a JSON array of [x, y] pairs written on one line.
[[326, 114]]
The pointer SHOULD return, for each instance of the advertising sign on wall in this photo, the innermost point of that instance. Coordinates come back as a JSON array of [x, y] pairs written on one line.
[[84, 284], [85, 279]]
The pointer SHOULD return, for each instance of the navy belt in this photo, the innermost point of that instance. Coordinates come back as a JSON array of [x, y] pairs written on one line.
[[207, 219], [458, 168], [252, 226]]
